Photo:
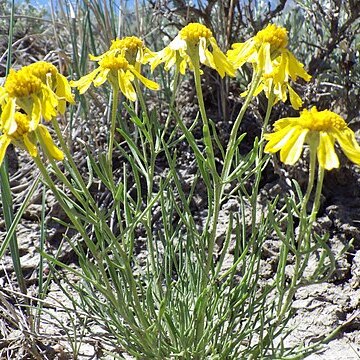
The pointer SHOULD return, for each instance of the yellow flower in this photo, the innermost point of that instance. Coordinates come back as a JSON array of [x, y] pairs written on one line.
[[319, 129], [277, 82], [190, 46], [118, 71], [132, 48], [25, 90], [269, 56], [38, 89], [261, 49], [24, 138], [57, 82]]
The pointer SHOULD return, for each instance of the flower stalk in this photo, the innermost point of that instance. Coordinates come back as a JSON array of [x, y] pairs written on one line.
[[114, 110]]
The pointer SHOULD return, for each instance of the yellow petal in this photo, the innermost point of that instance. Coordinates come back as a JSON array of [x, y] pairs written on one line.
[[349, 145], [147, 56], [264, 59], [178, 44], [3, 95], [96, 58], [35, 114], [170, 58], [152, 85], [278, 139], [326, 152], [295, 68], [8, 123], [182, 67], [283, 123], [205, 55], [281, 74], [222, 64], [157, 59], [241, 53], [51, 148], [279, 91], [30, 146], [259, 89], [4, 143], [85, 81], [125, 85], [295, 99], [48, 104], [63, 90], [290, 153], [101, 77]]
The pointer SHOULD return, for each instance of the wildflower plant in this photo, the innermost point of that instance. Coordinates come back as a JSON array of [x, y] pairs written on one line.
[[34, 92], [273, 63], [120, 66], [180, 301], [26, 139]]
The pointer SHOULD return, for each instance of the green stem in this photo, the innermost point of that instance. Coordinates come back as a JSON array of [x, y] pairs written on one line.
[[303, 212], [214, 200], [79, 179], [230, 150], [92, 247], [303, 239], [141, 99], [215, 195], [210, 157], [258, 161], [311, 219], [171, 105], [114, 107], [266, 120], [7, 205], [318, 191]]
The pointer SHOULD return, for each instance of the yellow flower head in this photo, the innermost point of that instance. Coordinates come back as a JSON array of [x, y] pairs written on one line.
[[268, 54], [320, 129], [27, 91], [193, 44], [22, 84], [274, 35], [117, 70], [285, 68], [57, 82], [261, 49], [38, 89], [131, 47], [25, 138]]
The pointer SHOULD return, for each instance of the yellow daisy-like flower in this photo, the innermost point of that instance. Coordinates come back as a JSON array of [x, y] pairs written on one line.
[[193, 44], [39, 89], [319, 129], [25, 138], [27, 91], [57, 82], [132, 48], [269, 56], [278, 82], [118, 71]]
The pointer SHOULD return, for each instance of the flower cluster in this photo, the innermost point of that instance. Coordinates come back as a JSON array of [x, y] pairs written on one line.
[[130, 47], [320, 129], [120, 65], [39, 91], [194, 43], [270, 58], [33, 92]]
